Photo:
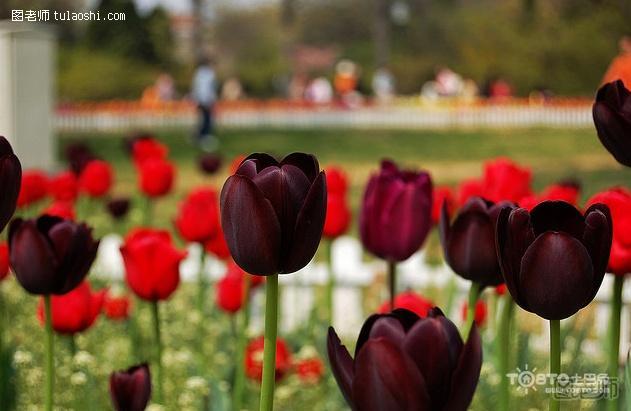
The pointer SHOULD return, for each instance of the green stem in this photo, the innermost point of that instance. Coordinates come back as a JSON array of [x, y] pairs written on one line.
[[555, 359], [50, 367], [269, 350], [158, 341], [148, 215], [474, 293], [330, 287], [392, 281], [239, 377], [503, 349], [201, 281], [614, 335]]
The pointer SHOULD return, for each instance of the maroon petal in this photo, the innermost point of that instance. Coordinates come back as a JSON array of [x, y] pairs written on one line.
[[378, 190], [444, 226], [467, 373], [406, 318], [250, 226], [556, 276], [597, 239], [305, 162], [612, 121], [341, 364], [77, 256], [130, 390], [262, 160], [387, 379], [557, 216], [10, 181], [389, 328]]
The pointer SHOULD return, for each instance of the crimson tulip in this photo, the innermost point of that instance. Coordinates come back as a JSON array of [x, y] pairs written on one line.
[[403, 362], [612, 118], [310, 370], [63, 186], [338, 216], [231, 288], [217, 245], [34, 187], [564, 191], [156, 177], [479, 315], [553, 259], [442, 194], [396, 212], [500, 289], [145, 148], [61, 209], [152, 263], [4, 260], [273, 213], [467, 189], [116, 307], [96, 178], [254, 355], [118, 207], [75, 311], [130, 390], [410, 301], [505, 180], [50, 255], [336, 181], [198, 215]]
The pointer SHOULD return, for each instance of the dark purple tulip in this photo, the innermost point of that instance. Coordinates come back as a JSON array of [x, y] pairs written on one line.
[[209, 163], [130, 390], [469, 243], [118, 207], [554, 259], [10, 181], [272, 213], [612, 118], [403, 362], [50, 255], [396, 212], [78, 155]]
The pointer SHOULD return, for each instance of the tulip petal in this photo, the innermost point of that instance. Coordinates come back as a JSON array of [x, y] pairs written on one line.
[[10, 181], [597, 239], [611, 118], [250, 226], [75, 250], [387, 379], [262, 161], [341, 365], [557, 216], [467, 373], [308, 228], [308, 163], [389, 328], [556, 276], [444, 226]]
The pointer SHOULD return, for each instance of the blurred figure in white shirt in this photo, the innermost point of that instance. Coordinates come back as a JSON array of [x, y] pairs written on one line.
[[204, 93]]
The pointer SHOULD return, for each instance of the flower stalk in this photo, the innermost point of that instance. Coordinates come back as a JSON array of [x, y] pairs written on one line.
[[269, 350]]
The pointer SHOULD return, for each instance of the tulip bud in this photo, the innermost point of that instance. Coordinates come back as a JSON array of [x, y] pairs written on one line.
[[118, 207], [612, 118], [96, 178], [209, 163], [50, 255], [273, 213], [130, 390]]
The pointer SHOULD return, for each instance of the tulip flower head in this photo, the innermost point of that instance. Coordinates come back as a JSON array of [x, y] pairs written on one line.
[[479, 315], [272, 213], [505, 180], [403, 362], [553, 259], [396, 212], [118, 207], [467, 189], [75, 311], [231, 288], [254, 359], [612, 118], [410, 301], [156, 176], [96, 178], [10, 181], [34, 187], [61, 209], [117, 307], [198, 216], [145, 147], [217, 245], [209, 163], [310, 370], [50, 255], [64, 186], [442, 195], [130, 390]]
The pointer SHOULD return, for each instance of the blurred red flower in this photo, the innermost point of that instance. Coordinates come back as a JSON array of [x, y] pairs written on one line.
[[4, 260], [469, 188], [568, 192], [410, 301], [64, 186], [74, 311], [217, 245], [198, 215], [152, 263], [117, 308], [146, 148], [61, 209], [506, 180], [338, 216], [96, 178], [310, 370], [500, 289], [442, 194], [34, 187], [231, 288], [480, 312], [336, 181], [156, 177], [254, 359]]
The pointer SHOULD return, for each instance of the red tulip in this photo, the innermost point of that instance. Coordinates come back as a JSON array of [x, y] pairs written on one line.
[[500, 289], [33, 189], [442, 194], [75, 311], [198, 216], [338, 216], [148, 148], [336, 181], [310, 370], [4, 260], [117, 308], [504, 180], [96, 178], [469, 188], [410, 301], [568, 192], [231, 288], [619, 202], [254, 359], [152, 263], [480, 312], [217, 245], [130, 390], [64, 186], [156, 177], [61, 209]]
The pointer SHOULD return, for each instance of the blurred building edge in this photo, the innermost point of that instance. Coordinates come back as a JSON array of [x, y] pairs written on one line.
[[27, 61]]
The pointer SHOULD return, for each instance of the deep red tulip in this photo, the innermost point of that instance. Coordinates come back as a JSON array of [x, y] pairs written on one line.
[[336, 181], [75, 311], [553, 258], [50, 255], [338, 216], [148, 148], [480, 312], [10, 181], [118, 207], [117, 308], [411, 301], [130, 390], [619, 202], [231, 288], [505, 180], [254, 359], [77, 156], [500, 289], [273, 213], [612, 118], [396, 212], [442, 194], [217, 245], [4, 260], [156, 177], [64, 186], [310, 370], [403, 362], [61, 209], [469, 188], [209, 163], [568, 192], [469, 242], [198, 215], [152, 263], [33, 189], [96, 178]]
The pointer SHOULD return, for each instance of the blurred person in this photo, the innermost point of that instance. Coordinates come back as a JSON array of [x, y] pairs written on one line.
[[499, 89], [383, 85], [297, 87], [319, 91], [448, 82], [204, 93], [620, 67], [232, 90], [345, 80]]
